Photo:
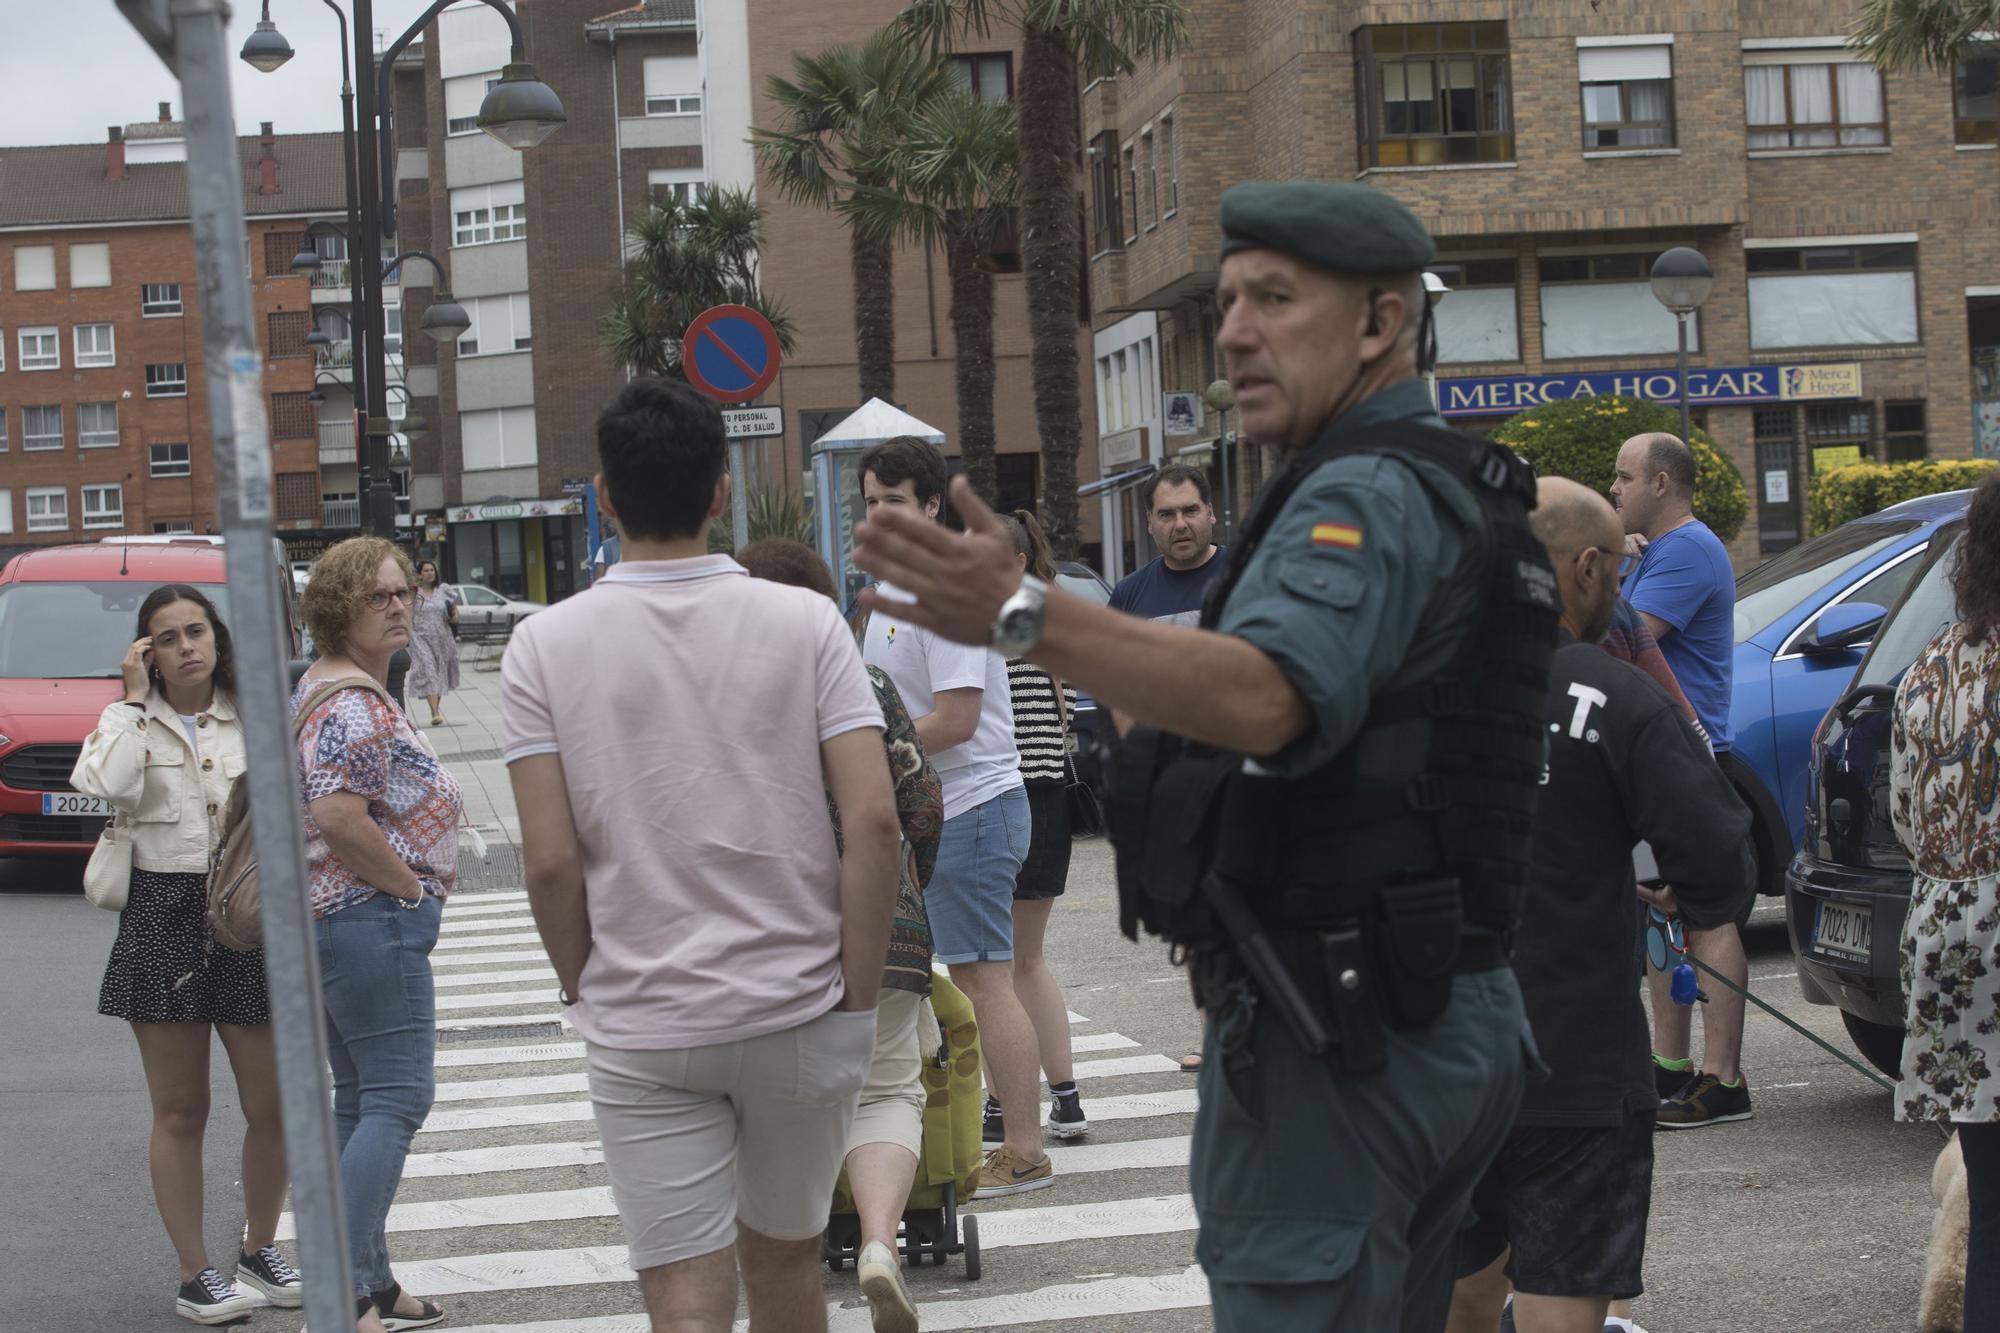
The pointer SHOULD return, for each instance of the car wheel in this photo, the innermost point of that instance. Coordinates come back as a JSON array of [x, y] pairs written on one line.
[[1882, 1045]]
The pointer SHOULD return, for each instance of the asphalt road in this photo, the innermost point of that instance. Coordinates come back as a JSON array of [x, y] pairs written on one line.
[[1813, 1215]]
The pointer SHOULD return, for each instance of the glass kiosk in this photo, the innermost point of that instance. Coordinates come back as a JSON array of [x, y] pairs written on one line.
[[837, 507]]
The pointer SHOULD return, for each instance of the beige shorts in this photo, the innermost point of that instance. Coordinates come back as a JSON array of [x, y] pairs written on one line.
[[752, 1131], [892, 1100]]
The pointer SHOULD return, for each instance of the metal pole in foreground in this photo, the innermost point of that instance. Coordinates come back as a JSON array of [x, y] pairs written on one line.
[[1681, 317], [189, 35], [739, 492]]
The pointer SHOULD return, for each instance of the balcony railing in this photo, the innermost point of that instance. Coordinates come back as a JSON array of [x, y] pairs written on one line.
[[336, 442], [331, 275], [340, 513], [336, 356]]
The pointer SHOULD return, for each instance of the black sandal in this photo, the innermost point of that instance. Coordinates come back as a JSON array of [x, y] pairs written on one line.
[[385, 1310]]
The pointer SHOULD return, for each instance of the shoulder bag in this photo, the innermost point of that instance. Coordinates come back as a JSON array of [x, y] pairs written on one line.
[[235, 906], [107, 880], [1086, 816]]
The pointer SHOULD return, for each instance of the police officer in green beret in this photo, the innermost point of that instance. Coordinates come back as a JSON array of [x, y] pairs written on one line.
[[1336, 829]]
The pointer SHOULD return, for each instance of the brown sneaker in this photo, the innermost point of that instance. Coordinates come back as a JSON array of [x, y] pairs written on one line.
[[1005, 1173]]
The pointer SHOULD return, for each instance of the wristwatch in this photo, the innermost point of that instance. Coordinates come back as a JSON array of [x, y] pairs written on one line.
[[1018, 627]]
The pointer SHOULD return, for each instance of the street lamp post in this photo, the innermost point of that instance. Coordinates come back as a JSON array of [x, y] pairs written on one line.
[[1221, 396], [1681, 282]]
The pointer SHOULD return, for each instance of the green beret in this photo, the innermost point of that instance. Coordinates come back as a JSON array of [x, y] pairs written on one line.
[[1345, 228]]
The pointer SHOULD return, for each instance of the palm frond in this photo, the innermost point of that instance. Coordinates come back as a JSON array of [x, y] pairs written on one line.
[[1906, 34]]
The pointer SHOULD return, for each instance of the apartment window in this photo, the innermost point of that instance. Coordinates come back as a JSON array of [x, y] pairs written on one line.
[[97, 425], [1860, 294], [1903, 432], [392, 328], [330, 246], [167, 380], [104, 506], [34, 268], [483, 214], [48, 509], [298, 498], [3, 349], [1838, 434], [285, 332], [1975, 94], [90, 265], [159, 299], [1170, 147], [6, 511], [164, 527], [1603, 305], [1434, 94], [497, 438], [989, 77], [499, 324], [686, 186], [42, 427], [292, 417], [1005, 251], [673, 85], [170, 460], [41, 349], [280, 248], [95, 345], [1628, 96], [1129, 156], [462, 100], [1481, 320], [1149, 153], [3, 430], [1806, 100], [1107, 208]]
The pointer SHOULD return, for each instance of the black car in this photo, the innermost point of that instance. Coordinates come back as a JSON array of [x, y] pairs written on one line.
[[1848, 889]]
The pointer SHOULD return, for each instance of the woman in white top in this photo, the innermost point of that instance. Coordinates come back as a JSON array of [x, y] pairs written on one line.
[[164, 757]]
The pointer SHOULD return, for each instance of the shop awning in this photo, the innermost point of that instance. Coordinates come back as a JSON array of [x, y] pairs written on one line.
[[1117, 481]]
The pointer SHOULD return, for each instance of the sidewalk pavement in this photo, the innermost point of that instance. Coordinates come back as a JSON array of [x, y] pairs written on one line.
[[470, 744]]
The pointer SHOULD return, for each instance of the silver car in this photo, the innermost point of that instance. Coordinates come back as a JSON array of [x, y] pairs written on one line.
[[486, 614]]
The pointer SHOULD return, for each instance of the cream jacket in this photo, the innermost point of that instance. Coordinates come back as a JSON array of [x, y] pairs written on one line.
[[172, 798]]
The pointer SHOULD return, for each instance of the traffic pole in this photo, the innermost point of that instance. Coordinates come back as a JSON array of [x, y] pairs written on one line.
[[189, 35]]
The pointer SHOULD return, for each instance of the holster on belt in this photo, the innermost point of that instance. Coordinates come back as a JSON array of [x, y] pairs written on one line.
[[1414, 932]]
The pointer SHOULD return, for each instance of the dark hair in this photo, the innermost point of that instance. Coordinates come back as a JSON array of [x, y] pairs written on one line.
[[1177, 474], [906, 458], [1671, 455], [782, 560], [661, 446], [1975, 580], [1030, 540], [225, 648], [434, 565]]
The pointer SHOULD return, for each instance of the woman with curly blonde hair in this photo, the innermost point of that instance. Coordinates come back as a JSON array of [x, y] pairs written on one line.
[[381, 854]]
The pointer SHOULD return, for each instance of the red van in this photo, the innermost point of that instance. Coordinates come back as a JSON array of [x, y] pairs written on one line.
[[67, 615]]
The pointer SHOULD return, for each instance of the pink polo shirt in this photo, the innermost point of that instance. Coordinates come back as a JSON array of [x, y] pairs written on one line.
[[688, 702]]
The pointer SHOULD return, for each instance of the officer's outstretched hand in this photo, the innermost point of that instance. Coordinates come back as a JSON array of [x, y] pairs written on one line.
[[959, 579]]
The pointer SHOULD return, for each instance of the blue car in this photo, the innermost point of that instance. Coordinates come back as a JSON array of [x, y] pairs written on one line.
[[1804, 620]]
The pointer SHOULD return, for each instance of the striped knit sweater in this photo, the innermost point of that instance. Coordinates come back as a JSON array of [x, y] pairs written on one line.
[[1038, 728]]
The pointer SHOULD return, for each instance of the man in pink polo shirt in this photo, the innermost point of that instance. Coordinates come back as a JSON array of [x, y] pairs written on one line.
[[720, 957]]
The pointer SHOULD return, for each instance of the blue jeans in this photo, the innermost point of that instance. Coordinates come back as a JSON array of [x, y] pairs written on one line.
[[381, 1031], [970, 899]]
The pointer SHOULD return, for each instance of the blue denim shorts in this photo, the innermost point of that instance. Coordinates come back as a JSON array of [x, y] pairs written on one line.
[[970, 899]]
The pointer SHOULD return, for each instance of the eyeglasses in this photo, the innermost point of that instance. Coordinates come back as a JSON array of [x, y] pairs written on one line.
[[379, 600]]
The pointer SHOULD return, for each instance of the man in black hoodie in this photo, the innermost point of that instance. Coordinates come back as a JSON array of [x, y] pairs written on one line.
[[1562, 1210]]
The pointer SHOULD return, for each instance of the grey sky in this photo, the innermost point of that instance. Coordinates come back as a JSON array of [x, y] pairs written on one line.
[[72, 67]]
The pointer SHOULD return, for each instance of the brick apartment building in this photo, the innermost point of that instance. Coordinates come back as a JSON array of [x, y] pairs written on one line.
[[103, 390], [660, 97], [1554, 149]]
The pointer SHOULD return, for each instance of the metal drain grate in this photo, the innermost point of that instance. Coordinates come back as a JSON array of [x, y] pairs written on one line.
[[515, 1033], [471, 756]]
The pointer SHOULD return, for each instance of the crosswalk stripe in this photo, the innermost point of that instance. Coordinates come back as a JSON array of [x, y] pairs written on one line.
[[542, 1085], [1101, 1041], [463, 911], [460, 1024], [522, 1270], [493, 956], [496, 999], [503, 977], [478, 896], [547, 1052], [1132, 1106], [479, 920], [489, 941]]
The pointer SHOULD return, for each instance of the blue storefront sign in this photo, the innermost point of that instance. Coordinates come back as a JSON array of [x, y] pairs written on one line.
[[1708, 386]]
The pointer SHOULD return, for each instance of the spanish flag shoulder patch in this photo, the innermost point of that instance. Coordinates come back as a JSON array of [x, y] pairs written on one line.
[[1336, 534]]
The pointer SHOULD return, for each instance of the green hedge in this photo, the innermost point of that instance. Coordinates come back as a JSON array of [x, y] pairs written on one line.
[[1866, 488], [1579, 438]]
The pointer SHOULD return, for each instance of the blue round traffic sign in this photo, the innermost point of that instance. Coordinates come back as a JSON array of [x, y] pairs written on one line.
[[730, 353]]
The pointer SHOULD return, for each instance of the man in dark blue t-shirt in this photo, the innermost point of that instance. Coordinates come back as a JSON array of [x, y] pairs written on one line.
[[1181, 521], [1684, 588]]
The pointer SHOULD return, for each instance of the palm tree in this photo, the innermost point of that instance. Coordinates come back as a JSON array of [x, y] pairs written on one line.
[[1099, 38], [953, 181], [1901, 34], [836, 112], [683, 258]]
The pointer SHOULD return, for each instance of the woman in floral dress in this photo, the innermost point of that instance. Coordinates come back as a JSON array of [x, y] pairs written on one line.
[[1944, 783], [433, 652]]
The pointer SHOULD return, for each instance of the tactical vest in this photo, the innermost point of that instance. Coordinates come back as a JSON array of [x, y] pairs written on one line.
[[1181, 811]]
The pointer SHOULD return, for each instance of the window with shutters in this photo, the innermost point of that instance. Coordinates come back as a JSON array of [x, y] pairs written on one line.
[[34, 268], [285, 332], [1628, 93], [463, 97], [1107, 208], [673, 86], [90, 265], [1848, 294], [280, 248], [484, 214], [298, 495], [291, 417]]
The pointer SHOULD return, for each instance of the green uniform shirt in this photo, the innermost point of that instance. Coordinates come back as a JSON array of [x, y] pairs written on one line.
[[1364, 583]]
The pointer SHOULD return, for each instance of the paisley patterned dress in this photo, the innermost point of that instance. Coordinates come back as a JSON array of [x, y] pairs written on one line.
[[1944, 787]]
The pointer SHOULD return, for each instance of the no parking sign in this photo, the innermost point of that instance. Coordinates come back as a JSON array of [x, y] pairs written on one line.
[[730, 353]]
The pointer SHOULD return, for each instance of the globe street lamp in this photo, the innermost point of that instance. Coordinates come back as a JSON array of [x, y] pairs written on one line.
[[266, 49], [1220, 397], [1681, 281]]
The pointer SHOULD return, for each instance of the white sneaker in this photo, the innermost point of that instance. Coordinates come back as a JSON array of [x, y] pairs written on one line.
[[881, 1272]]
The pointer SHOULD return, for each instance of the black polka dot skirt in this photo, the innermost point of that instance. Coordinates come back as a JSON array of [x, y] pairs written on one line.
[[165, 968]]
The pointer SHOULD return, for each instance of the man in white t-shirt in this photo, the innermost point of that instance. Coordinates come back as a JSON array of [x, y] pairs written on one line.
[[960, 701], [720, 958]]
